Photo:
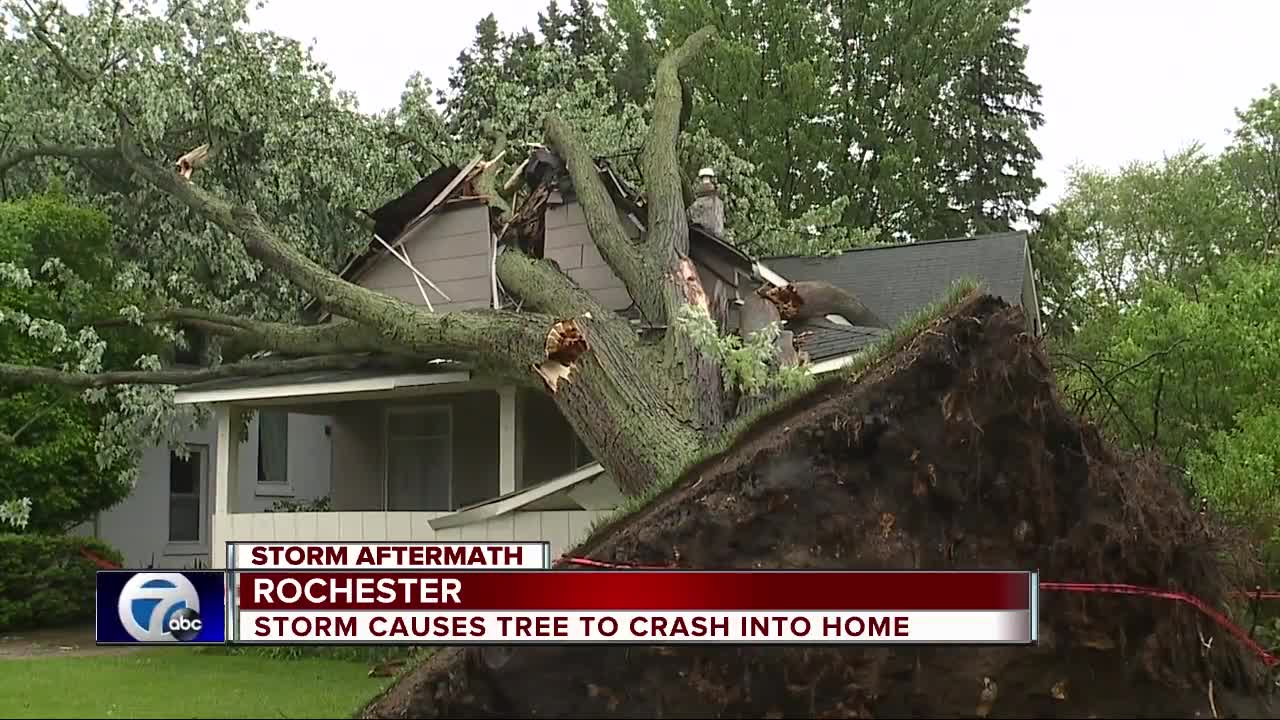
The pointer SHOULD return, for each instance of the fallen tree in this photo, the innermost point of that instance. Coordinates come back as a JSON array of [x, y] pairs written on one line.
[[645, 408], [642, 408], [951, 451]]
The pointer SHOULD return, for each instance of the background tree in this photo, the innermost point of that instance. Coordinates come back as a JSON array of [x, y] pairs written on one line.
[[919, 113], [61, 451], [1160, 285]]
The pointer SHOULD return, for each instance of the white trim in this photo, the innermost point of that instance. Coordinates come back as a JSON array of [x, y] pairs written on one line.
[[831, 364], [770, 275], [445, 409], [502, 505], [381, 383], [226, 465], [1030, 270]]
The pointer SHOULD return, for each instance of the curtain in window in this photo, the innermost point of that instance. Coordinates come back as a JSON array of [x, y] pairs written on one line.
[[418, 473], [185, 487], [420, 461], [273, 446]]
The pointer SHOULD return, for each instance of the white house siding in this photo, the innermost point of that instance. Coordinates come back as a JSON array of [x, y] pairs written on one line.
[[562, 528], [139, 526]]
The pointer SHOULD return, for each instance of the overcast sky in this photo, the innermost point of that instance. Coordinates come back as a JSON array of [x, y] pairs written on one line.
[[1122, 79]]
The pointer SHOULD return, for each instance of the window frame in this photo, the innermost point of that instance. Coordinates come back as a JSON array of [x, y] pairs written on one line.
[[285, 487], [445, 409], [200, 453]]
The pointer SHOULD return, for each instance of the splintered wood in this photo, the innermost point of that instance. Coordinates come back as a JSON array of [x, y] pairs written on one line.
[[692, 284], [785, 298], [565, 344], [192, 161]]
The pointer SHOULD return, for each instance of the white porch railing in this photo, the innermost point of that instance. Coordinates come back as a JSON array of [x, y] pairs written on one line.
[[563, 528]]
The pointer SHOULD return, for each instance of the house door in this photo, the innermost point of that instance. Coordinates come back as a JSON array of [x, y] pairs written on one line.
[[420, 459]]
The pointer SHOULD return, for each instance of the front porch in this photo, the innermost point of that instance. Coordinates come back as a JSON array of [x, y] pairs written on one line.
[[430, 456]]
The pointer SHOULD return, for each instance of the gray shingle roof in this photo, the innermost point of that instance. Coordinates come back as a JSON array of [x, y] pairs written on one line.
[[895, 281], [822, 339]]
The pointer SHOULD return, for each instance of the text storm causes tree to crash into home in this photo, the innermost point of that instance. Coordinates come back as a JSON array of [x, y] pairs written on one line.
[[630, 606]]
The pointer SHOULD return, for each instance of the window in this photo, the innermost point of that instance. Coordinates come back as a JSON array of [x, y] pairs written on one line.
[[273, 447], [187, 481], [420, 459]]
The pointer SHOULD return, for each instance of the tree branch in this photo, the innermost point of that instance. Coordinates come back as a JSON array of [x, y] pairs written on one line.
[[25, 376], [639, 273], [12, 438], [339, 336], [668, 223], [494, 338], [543, 287], [63, 151]]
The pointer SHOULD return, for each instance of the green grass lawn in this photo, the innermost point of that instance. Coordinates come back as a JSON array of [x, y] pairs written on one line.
[[183, 683]]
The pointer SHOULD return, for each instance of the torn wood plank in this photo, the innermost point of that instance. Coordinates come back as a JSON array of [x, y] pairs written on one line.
[[453, 184], [417, 276]]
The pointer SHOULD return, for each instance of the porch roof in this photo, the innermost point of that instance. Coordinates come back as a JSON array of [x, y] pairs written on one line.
[[519, 499], [312, 384]]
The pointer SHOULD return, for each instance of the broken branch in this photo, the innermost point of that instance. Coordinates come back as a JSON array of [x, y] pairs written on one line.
[[638, 272]]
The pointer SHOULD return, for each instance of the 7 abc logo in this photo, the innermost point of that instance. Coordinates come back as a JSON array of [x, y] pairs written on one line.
[[160, 607]]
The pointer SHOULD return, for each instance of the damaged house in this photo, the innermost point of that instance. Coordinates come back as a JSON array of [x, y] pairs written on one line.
[[452, 454]]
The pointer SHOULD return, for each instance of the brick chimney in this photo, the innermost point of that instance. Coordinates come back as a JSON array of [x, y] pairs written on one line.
[[707, 209]]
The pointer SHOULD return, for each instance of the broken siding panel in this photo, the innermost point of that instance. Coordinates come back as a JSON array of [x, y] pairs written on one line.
[[459, 291], [567, 258], [411, 295], [591, 256], [457, 233], [595, 278], [613, 298], [559, 216], [575, 235], [569, 243]]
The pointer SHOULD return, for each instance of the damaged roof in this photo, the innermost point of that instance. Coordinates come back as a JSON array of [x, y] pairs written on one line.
[[895, 281], [822, 339]]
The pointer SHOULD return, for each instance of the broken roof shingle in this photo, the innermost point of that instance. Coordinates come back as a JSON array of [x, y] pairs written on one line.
[[896, 281], [822, 339]]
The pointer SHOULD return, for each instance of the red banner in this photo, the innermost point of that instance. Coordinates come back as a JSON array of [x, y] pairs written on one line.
[[635, 590]]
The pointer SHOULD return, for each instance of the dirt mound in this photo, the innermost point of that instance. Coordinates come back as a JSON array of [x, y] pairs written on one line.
[[952, 453]]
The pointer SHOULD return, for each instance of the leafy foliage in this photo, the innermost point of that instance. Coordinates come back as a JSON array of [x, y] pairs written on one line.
[[748, 365], [69, 456], [916, 116], [45, 581], [1239, 471]]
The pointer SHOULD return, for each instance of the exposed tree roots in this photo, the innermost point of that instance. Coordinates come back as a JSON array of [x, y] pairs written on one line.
[[953, 453]]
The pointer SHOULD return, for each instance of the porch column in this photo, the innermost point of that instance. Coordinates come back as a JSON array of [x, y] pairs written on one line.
[[506, 440], [226, 478]]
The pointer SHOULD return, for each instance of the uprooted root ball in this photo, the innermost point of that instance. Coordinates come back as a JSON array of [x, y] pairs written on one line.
[[953, 452]]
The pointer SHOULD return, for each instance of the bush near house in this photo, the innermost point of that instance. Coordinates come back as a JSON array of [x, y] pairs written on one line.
[[45, 581]]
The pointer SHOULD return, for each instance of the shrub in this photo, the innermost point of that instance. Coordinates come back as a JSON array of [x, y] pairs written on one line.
[[45, 581], [320, 504]]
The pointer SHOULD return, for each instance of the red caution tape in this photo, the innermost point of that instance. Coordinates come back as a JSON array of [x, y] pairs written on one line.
[[1269, 659]]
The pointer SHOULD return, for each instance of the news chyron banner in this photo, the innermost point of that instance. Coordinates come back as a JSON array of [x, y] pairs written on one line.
[[498, 593]]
